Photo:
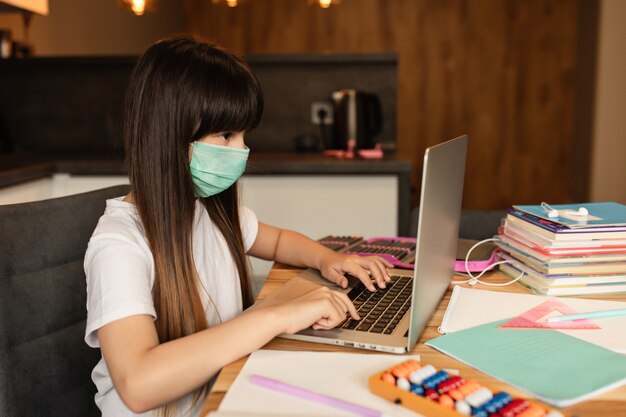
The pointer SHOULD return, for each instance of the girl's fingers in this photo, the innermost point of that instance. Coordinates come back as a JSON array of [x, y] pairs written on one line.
[[337, 307], [385, 262], [363, 267], [322, 324], [382, 264], [378, 271], [328, 322], [364, 276], [337, 278], [347, 303]]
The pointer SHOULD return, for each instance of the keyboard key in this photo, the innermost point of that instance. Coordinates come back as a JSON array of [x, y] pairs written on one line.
[[350, 324], [383, 309], [354, 292], [364, 326]]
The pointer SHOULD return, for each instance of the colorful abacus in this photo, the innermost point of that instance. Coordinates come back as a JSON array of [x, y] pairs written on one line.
[[340, 243], [399, 251], [421, 388]]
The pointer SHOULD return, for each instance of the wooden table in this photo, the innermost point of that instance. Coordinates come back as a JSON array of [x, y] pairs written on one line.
[[610, 404]]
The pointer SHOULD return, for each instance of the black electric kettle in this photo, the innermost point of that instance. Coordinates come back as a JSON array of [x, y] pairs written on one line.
[[358, 117]]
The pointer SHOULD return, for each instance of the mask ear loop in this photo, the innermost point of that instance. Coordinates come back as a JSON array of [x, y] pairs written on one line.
[[475, 279]]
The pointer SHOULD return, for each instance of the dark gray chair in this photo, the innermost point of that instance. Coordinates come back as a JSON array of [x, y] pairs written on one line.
[[475, 224], [45, 365]]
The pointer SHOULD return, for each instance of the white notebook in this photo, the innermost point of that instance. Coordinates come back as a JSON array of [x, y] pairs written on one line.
[[340, 375], [470, 307]]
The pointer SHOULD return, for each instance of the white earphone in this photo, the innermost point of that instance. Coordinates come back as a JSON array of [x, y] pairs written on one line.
[[553, 213], [583, 212]]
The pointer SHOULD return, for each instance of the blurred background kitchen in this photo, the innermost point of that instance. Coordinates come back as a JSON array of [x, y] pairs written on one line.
[[537, 84]]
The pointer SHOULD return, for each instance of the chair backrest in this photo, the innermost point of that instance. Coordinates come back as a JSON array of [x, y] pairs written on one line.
[[475, 224], [45, 365]]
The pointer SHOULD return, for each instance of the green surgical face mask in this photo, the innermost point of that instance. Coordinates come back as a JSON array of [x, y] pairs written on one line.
[[215, 168]]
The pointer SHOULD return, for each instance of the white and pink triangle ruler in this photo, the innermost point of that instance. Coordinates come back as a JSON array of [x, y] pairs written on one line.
[[532, 318]]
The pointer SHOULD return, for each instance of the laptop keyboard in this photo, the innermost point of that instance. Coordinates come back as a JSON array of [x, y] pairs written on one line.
[[380, 311]]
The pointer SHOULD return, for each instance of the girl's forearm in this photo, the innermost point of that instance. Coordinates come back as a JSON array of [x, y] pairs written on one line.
[[296, 249], [170, 370]]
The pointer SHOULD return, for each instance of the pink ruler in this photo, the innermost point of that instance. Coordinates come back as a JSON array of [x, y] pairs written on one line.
[[529, 318]]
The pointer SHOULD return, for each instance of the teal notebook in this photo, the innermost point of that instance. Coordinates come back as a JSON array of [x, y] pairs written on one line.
[[600, 214], [554, 367]]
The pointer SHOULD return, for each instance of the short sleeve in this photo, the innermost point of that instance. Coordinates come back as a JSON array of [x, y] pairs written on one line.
[[249, 226], [119, 283]]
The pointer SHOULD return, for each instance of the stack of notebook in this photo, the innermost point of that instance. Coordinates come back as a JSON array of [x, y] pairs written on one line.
[[566, 250]]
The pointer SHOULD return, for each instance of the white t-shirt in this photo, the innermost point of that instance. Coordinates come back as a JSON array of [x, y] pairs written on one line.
[[120, 274]]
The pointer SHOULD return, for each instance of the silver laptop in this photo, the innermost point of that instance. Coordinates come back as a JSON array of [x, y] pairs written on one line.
[[393, 319]]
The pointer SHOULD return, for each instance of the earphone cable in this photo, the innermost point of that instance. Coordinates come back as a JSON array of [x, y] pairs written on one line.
[[475, 279]]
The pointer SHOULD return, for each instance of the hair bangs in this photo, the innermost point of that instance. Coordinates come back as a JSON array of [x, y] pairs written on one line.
[[233, 101]]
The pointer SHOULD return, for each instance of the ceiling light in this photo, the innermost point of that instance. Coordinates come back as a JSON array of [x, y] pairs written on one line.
[[324, 4], [229, 3], [140, 7]]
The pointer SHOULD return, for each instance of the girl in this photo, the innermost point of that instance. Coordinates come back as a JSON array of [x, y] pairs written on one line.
[[166, 266]]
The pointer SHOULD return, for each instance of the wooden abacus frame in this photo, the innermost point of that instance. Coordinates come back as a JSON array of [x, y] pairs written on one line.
[[416, 402]]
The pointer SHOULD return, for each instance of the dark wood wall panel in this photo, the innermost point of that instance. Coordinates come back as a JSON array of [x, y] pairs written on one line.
[[503, 71]]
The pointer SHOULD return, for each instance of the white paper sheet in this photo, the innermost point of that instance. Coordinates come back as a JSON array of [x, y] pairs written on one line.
[[471, 307], [341, 375]]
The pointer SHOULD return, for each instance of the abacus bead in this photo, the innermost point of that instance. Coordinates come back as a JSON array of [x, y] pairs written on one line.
[[450, 384], [463, 408], [469, 387], [388, 378], [435, 380], [498, 401], [446, 401], [479, 412], [504, 398], [413, 365], [513, 408], [478, 397], [417, 389], [400, 371], [418, 376], [491, 406], [533, 411], [521, 407], [403, 384], [456, 394], [431, 394]]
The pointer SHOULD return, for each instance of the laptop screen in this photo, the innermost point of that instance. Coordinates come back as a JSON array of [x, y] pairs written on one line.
[[437, 231]]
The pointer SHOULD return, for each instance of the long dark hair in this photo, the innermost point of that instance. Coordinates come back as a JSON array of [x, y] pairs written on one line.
[[181, 90]]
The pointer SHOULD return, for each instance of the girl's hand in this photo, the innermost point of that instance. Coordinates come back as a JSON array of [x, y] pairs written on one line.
[[321, 308], [335, 265]]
